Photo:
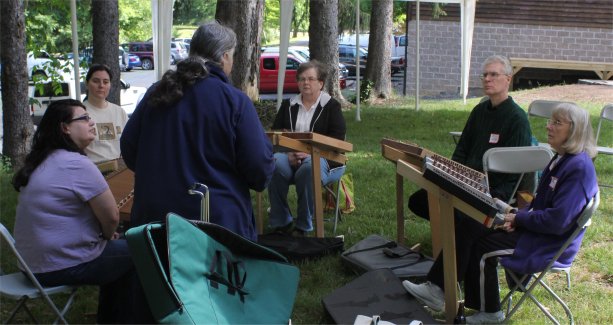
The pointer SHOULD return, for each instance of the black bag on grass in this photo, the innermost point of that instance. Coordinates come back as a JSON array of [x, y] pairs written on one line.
[[377, 292], [375, 252], [301, 248]]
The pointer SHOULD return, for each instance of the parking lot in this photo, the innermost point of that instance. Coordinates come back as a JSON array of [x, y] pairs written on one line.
[[144, 78]]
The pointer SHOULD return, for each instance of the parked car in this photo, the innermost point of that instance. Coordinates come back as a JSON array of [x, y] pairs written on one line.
[[133, 61], [303, 51], [186, 42], [269, 71], [37, 63], [347, 55], [178, 52], [144, 50]]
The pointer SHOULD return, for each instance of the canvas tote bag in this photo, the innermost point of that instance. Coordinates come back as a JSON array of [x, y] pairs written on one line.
[[197, 272]]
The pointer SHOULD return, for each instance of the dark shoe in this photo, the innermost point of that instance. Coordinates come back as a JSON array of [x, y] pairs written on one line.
[[298, 233], [287, 229]]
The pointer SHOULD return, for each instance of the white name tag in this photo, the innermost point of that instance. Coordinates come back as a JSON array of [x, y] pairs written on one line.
[[554, 181], [494, 137]]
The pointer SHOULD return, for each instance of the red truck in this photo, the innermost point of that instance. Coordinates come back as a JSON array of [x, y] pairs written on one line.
[[269, 70]]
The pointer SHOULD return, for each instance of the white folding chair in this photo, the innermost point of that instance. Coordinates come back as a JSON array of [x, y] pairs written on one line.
[[605, 114], [22, 286], [516, 160], [457, 134], [543, 108], [582, 222]]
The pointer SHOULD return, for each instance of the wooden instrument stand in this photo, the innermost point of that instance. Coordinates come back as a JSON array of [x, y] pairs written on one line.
[[317, 146], [441, 207]]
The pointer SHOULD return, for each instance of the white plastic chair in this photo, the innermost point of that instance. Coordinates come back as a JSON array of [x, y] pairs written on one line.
[[605, 114], [455, 135], [543, 108], [583, 221], [516, 160], [22, 286]]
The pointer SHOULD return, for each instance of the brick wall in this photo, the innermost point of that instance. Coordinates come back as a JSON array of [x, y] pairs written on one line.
[[441, 50]]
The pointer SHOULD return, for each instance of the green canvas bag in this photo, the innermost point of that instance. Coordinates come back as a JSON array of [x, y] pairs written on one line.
[[197, 272]]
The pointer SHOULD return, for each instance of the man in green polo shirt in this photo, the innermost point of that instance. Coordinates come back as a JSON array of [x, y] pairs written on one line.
[[496, 122]]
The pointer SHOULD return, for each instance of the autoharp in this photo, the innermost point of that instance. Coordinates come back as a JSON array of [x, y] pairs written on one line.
[[467, 184], [121, 183]]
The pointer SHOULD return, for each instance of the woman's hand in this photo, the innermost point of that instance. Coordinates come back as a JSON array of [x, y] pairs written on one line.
[[509, 222], [296, 158]]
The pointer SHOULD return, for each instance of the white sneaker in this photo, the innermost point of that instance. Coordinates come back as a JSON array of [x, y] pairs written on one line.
[[485, 318], [427, 293]]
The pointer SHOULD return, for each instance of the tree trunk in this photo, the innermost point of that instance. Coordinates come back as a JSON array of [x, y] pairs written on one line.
[[378, 67], [16, 120], [246, 18], [323, 42], [105, 31]]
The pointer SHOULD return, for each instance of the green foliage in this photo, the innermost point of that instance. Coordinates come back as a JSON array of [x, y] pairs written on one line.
[[193, 12], [134, 20]]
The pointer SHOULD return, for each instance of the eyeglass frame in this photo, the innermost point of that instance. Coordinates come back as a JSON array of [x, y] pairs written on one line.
[[557, 122], [493, 75], [301, 79], [84, 117]]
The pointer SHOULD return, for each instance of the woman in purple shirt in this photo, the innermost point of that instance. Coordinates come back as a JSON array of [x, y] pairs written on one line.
[[531, 237], [67, 216]]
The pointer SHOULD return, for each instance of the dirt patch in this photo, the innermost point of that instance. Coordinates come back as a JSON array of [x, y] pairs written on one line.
[[573, 93]]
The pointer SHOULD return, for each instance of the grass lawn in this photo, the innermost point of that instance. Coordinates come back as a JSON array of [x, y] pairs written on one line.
[[592, 274]]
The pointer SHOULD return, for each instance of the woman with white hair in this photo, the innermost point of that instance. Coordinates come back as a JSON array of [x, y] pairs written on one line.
[[531, 237]]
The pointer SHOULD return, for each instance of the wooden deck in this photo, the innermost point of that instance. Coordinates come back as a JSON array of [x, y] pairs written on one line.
[[604, 70]]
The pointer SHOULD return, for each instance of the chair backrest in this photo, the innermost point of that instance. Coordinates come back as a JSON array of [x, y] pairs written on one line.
[[583, 221], [516, 160], [8, 238], [543, 108], [605, 114]]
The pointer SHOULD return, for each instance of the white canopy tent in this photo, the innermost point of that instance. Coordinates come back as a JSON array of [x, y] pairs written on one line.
[[161, 16], [161, 12], [467, 21]]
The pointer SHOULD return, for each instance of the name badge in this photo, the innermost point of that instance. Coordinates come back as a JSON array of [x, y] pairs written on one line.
[[554, 181], [494, 137]]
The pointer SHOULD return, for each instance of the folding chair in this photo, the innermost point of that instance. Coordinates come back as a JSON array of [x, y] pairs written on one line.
[[457, 134], [543, 108], [329, 188], [582, 222], [605, 114], [516, 160], [22, 286]]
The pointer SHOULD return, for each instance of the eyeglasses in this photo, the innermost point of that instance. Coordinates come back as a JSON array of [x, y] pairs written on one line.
[[556, 122], [309, 79], [84, 117], [492, 75]]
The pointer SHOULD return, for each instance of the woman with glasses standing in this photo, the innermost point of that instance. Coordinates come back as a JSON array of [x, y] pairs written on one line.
[[110, 118], [67, 216], [312, 110]]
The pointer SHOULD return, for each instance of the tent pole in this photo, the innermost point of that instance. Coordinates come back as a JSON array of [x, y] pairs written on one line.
[[417, 58], [357, 61], [75, 49]]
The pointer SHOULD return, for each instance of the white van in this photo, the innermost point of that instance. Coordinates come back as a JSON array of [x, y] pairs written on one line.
[[396, 48]]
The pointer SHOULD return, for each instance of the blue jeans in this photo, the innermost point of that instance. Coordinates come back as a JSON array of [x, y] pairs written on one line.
[[285, 175], [113, 271]]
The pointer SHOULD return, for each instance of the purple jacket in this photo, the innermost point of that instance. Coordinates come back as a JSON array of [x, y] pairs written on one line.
[[213, 136], [562, 194]]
